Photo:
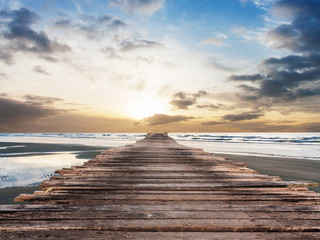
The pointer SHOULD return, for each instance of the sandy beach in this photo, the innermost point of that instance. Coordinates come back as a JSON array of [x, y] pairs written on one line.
[[287, 168]]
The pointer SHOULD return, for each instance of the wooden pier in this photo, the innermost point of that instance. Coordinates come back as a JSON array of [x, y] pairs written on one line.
[[159, 189]]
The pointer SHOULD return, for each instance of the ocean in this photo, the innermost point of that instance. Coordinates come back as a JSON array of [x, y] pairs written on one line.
[[28, 158]]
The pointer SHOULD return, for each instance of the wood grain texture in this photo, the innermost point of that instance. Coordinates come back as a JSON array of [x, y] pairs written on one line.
[[159, 189]]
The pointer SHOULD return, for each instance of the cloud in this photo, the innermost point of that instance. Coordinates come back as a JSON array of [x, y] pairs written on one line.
[[211, 106], [41, 100], [132, 43], [212, 123], [39, 69], [93, 27], [312, 127], [183, 103], [3, 76], [243, 33], [36, 114], [303, 33], [247, 77], [49, 58], [262, 4], [215, 40], [242, 116], [220, 66], [20, 36], [13, 111], [139, 85], [183, 100], [288, 78], [294, 76], [142, 7], [159, 119], [6, 57]]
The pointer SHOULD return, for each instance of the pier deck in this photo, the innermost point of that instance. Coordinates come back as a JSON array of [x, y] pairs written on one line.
[[159, 189]]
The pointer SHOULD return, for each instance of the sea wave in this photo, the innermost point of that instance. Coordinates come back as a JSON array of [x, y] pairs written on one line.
[[299, 145], [301, 138]]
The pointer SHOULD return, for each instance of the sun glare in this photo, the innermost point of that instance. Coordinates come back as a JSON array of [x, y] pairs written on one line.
[[147, 108]]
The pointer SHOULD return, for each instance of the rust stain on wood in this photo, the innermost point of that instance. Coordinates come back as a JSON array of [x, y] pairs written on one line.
[[159, 189]]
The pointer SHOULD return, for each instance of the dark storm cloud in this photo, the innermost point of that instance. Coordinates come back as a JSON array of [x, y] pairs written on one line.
[[21, 37], [242, 116], [297, 75], [159, 119], [247, 77], [303, 33], [17, 111], [287, 78], [22, 17], [293, 62], [183, 100]]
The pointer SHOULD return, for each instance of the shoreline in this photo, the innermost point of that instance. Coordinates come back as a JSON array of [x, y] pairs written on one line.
[[290, 169]]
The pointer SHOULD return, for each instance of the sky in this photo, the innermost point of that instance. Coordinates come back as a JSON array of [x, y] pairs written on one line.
[[159, 65]]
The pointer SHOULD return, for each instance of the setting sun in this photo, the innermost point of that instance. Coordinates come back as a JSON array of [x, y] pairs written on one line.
[[147, 108]]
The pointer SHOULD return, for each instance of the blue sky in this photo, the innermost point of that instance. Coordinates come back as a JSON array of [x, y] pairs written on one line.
[[140, 65]]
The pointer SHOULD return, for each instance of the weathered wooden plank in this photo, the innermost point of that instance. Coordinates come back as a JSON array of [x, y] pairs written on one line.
[[168, 225], [134, 181], [98, 234], [109, 170], [143, 214], [233, 191], [174, 186], [144, 203], [173, 206], [161, 197], [167, 176]]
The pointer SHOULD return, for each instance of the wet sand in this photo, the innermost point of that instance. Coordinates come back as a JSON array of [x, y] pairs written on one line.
[[26, 150], [292, 169]]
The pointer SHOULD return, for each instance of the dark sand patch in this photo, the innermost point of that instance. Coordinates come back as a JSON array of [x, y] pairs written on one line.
[[8, 194], [46, 147]]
